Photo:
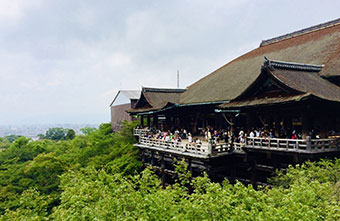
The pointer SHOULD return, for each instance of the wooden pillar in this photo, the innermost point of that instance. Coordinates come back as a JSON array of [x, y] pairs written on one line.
[[232, 126], [249, 122], [306, 124], [190, 178], [287, 123], [152, 158], [142, 120], [143, 158], [148, 121], [155, 121], [253, 178], [277, 126], [232, 170], [324, 126], [163, 170]]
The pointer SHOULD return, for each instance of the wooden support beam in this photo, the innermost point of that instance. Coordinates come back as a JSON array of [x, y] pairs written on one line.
[[155, 121], [142, 120], [277, 126], [148, 121], [152, 158], [253, 174], [163, 170], [306, 124]]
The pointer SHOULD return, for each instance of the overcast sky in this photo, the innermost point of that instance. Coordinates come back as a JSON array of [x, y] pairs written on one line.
[[63, 61]]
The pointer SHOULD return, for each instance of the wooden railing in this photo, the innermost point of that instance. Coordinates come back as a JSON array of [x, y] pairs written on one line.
[[238, 147], [193, 148], [324, 145], [276, 143], [200, 149], [215, 149], [297, 145], [140, 132]]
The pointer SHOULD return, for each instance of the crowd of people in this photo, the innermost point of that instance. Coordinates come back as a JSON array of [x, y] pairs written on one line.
[[209, 134], [205, 135]]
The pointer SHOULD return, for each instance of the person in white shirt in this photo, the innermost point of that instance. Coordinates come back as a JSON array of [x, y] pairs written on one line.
[[251, 134], [189, 138]]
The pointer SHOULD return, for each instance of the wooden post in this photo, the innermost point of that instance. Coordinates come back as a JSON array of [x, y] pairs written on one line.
[[253, 178], [306, 124], [148, 121], [142, 121], [152, 158], [308, 143], [324, 126], [210, 147], [155, 121], [143, 158], [163, 170], [277, 126], [190, 178], [288, 125], [232, 170], [232, 126]]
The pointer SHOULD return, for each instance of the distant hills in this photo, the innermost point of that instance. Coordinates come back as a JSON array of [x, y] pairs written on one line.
[[35, 129]]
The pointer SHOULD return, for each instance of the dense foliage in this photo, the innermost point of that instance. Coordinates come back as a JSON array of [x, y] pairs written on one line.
[[26, 165], [93, 177], [58, 133]]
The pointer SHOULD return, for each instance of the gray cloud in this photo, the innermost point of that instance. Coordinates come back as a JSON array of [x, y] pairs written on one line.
[[63, 61]]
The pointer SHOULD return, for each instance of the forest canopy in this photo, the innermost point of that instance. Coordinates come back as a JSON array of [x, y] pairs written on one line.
[[98, 175]]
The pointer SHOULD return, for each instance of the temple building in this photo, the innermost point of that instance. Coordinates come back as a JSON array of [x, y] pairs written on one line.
[[276, 105], [123, 101]]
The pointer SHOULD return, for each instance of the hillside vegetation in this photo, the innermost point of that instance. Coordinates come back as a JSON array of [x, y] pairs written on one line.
[[97, 177]]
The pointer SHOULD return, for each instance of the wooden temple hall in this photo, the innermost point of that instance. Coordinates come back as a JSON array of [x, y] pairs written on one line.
[[276, 105]]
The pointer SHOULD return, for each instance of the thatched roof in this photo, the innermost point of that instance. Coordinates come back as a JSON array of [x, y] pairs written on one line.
[[156, 98], [318, 45]]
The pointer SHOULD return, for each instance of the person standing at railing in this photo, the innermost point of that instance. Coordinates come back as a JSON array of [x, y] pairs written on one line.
[[251, 134], [189, 138], [226, 137], [294, 136]]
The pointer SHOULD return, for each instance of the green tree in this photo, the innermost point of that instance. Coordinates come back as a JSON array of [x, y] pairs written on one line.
[[4, 143], [70, 134], [87, 130], [56, 133], [11, 138]]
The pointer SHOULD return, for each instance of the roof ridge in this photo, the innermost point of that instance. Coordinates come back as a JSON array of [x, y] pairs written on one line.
[[301, 32], [128, 90], [164, 90], [292, 65]]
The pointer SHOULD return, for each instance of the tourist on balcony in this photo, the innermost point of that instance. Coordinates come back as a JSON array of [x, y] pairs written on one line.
[[198, 142], [189, 138], [252, 134], [185, 134], [205, 131], [294, 136], [257, 133], [225, 137]]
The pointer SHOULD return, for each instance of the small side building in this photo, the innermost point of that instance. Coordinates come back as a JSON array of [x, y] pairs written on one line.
[[124, 100]]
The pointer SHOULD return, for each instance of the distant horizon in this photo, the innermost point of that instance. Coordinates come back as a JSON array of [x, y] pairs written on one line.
[[32, 130], [46, 124], [57, 118]]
